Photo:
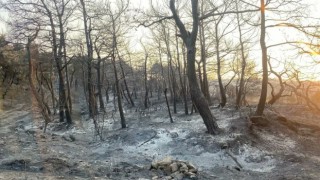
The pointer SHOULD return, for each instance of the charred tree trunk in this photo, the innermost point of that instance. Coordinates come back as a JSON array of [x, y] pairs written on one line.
[[99, 77], [264, 87], [190, 42], [114, 47], [276, 96], [118, 93], [38, 98], [145, 82], [126, 86], [240, 92], [183, 89], [205, 85], [168, 106], [61, 55], [91, 102], [223, 97], [101, 103], [63, 104]]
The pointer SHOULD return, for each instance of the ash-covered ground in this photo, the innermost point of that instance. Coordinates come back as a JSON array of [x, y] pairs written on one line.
[[240, 151]]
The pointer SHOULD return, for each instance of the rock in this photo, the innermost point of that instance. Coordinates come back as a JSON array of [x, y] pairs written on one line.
[[166, 169], [193, 177], [154, 165], [191, 166], [174, 167], [189, 174], [183, 168], [193, 170], [165, 162], [177, 175]]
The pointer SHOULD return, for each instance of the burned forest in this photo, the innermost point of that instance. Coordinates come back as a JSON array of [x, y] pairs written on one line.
[[159, 90]]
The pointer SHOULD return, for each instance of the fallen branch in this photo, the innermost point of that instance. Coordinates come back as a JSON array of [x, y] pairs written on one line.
[[155, 134], [233, 158]]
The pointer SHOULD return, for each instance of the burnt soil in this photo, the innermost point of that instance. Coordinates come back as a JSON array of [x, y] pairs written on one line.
[[287, 147]]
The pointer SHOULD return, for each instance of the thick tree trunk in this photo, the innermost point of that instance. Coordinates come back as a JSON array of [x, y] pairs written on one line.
[[190, 42], [197, 97]]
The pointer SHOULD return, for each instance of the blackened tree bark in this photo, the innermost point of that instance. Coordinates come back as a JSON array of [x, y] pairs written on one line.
[[125, 83], [189, 39], [168, 106], [205, 84], [223, 97], [275, 96], [63, 104], [146, 80], [171, 72], [87, 31], [62, 54], [31, 78], [117, 85], [99, 77], [264, 87], [183, 89], [240, 92]]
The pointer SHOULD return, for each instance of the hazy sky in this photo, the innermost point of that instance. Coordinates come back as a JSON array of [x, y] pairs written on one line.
[[277, 36]]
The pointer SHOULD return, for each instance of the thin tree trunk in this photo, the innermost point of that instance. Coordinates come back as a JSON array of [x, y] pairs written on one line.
[[243, 67], [145, 82], [180, 77], [168, 106], [101, 103], [92, 108], [223, 97], [126, 85], [118, 93], [114, 47], [264, 87], [205, 85], [39, 100]]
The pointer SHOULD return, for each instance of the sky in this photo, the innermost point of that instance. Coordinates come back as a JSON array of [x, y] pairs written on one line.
[[141, 32]]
